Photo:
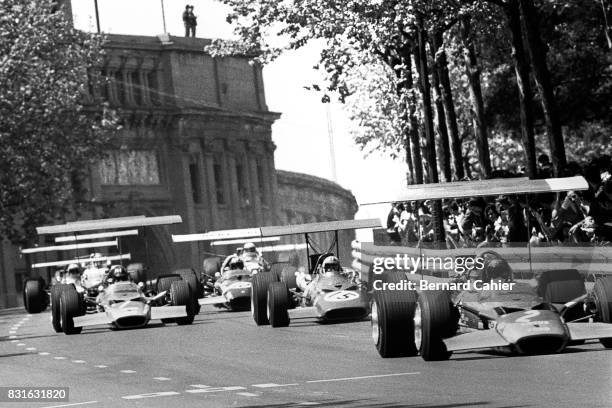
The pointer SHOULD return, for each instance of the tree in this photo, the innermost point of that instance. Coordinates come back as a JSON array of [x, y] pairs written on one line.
[[47, 138]]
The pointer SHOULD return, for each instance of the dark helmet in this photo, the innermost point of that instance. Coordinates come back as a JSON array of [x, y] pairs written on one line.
[[236, 263], [331, 263], [495, 267], [119, 273]]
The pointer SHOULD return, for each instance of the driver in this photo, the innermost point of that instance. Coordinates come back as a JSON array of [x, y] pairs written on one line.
[[72, 274], [118, 273], [236, 264], [495, 268], [97, 264], [331, 265], [249, 251]]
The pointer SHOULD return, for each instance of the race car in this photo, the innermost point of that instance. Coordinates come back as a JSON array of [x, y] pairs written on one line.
[[232, 287], [542, 316], [546, 307], [331, 292], [121, 304]]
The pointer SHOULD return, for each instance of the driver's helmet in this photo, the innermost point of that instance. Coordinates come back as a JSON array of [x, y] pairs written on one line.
[[236, 263], [496, 268], [73, 272], [249, 247], [97, 264], [119, 273], [330, 264]]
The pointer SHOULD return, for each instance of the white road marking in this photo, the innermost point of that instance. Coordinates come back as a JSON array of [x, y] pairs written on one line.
[[271, 385], [247, 394], [12, 337], [151, 395], [161, 378], [362, 377], [72, 405], [43, 353], [20, 344], [101, 366], [215, 389], [14, 341], [78, 361], [127, 371], [59, 358], [31, 349], [307, 403], [12, 332], [199, 386]]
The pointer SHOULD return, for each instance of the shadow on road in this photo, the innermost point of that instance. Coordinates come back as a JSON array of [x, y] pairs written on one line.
[[365, 403], [16, 354]]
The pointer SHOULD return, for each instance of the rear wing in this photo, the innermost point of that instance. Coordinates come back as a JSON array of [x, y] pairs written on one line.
[[111, 234], [274, 231], [481, 188], [80, 261], [110, 223], [70, 247]]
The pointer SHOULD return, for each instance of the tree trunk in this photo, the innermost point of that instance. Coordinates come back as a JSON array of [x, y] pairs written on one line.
[[521, 68], [440, 114], [410, 179], [415, 145], [432, 169], [537, 53], [449, 105], [478, 119]]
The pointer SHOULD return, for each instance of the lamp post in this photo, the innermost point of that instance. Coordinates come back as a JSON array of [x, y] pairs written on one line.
[[97, 15], [163, 16]]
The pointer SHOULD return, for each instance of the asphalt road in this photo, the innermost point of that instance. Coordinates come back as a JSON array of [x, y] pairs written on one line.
[[224, 360]]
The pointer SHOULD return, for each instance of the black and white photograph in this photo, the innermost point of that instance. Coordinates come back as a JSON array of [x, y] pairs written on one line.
[[305, 203]]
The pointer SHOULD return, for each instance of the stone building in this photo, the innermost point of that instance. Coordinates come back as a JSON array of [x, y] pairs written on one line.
[[196, 141]]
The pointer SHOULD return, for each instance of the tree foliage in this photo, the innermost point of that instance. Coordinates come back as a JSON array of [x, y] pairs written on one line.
[[48, 139]]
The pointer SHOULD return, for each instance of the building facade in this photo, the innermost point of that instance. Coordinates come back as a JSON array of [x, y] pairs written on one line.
[[195, 141]]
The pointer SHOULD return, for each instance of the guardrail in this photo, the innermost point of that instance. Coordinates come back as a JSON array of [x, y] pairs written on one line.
[[526, 261]]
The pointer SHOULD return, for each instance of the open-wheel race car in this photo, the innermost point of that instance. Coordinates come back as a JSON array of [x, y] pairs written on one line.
[[493, 307]]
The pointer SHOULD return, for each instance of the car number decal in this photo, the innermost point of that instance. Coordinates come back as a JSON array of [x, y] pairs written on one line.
[[341, 296], [526, 318]]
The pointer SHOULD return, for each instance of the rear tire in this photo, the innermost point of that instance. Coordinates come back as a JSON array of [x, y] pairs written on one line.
[[71, 306], [278, 304], [195, 285], [34, 296], [164, 282], [288, 276], [259, 296], [437, 323], [56, 317], [392, 319], [180, 294], [602, 292], [560, 286]]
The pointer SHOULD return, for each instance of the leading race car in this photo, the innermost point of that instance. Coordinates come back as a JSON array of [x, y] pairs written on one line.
[[492, 307]]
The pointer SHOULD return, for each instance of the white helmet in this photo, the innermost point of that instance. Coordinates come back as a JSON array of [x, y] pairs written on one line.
[[249, 247], [331, 263]]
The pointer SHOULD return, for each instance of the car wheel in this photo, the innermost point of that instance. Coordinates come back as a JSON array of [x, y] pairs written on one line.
[[434, 320], [164, 282], [34, 296], [288, 276], [56, 318], [392, 319], [259, 296], [180, 294], [195, 285], [278, 304], [602, 291], [71, 306]]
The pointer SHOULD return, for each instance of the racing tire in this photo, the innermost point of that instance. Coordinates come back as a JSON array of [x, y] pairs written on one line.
[[602, 292], [561, 286], [259, 296], [278, 304], [437, 321], [288, 276], [180, 294], [197, 291], [56, 317], [392, 319], [34, 296], [164, 282], [71, 306]]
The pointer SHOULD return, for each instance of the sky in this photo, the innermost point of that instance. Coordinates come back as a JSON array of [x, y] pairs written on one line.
[[302, 132]]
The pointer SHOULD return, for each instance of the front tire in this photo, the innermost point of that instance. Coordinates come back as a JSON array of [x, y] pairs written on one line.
[[34, 296], [71, 306], [56, 317], [436, 318], [392, 319], [197, 291], [288, 276], [602, 291], [278, 304], [259, 296]]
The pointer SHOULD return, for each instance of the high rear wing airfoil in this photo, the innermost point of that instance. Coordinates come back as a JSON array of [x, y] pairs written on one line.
[[81, 260], [275, 231], [110, 223], [481, 188], [111, 234], [70, 247]]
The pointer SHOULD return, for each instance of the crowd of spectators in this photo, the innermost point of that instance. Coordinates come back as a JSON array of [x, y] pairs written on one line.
[[574, 217]]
